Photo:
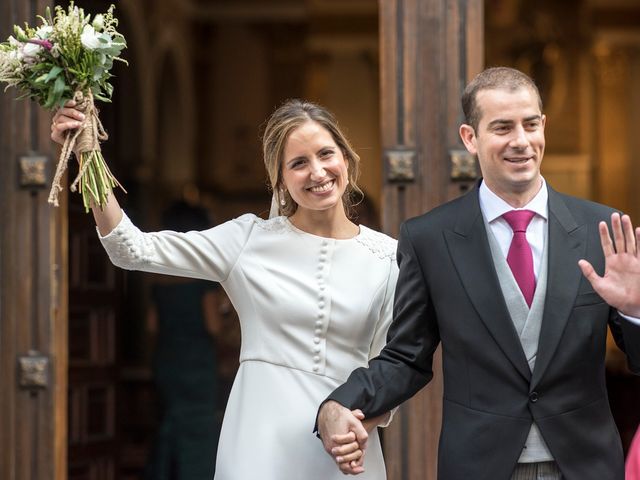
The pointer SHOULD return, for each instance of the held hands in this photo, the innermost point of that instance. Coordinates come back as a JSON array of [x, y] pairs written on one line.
[[343, 435], [348, 449], [350, 454], [620, 285]]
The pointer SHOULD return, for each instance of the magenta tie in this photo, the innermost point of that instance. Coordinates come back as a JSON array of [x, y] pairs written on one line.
[[520, 258]]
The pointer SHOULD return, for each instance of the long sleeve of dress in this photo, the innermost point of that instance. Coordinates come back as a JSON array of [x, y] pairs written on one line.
[[386, 313], [386, 317], [209, 254]]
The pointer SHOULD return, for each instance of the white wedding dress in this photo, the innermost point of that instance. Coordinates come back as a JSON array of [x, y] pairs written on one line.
[[311, 310]]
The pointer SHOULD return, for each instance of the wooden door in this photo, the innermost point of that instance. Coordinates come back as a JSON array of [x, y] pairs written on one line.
[[98, 321], [93, 362], [32, 286], [95, 290], [50, 428], [429, 50]]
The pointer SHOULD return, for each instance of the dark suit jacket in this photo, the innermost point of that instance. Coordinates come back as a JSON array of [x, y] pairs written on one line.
[[448, 291]]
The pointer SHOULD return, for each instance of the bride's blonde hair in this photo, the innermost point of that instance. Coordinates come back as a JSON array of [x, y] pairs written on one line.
[[291, 115]]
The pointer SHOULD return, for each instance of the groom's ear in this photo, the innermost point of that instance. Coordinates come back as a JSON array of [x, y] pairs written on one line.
[[468, 137]]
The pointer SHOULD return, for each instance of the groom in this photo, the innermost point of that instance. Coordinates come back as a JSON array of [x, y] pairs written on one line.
[[503, 277]]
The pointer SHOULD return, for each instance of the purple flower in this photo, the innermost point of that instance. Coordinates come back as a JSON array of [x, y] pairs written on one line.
[[43, 43]]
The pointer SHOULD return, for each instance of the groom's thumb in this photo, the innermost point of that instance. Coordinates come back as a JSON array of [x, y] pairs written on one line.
[[588, 271]]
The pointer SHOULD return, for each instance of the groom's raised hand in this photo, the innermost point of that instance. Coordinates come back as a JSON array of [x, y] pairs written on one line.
[[343, 436], [620, 284]]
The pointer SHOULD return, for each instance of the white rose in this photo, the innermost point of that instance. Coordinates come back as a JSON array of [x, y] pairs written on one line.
[[98, 22], [89, 38], [31, 50], [44, 32]]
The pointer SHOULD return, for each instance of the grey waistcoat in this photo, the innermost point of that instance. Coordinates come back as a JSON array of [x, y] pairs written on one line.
[[527, 323]]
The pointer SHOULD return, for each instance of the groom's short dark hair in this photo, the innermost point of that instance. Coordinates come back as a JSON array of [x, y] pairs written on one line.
[[495, 78]]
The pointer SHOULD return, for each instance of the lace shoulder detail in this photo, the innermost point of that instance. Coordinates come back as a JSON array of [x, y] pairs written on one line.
[[381, 245], [275, 224]]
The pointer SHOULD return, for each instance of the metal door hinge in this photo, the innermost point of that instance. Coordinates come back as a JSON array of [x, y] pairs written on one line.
[[464, 166], [400, 165], [33, 171], [33, 370]]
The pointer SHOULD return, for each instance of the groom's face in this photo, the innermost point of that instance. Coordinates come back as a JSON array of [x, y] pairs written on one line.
[[509, 140]]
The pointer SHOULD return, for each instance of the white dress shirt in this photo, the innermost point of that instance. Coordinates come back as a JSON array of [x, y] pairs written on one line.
[[493, 207]]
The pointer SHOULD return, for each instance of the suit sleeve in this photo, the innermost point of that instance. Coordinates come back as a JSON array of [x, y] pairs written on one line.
[[626, 334], [404, 365]]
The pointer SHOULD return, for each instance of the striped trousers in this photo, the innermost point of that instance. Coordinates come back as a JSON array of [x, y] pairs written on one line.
[[537, 471]]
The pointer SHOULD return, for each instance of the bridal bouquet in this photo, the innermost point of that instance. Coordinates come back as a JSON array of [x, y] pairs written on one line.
[[69, 57]]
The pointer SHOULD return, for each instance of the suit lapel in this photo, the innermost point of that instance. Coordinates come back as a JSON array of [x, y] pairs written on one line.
[[567, 244], [471, 256]]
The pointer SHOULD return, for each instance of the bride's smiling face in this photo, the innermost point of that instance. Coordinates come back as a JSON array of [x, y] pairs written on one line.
[[314, 170]]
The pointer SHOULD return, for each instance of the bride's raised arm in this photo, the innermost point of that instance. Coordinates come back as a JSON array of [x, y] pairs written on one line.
[[68, 118]]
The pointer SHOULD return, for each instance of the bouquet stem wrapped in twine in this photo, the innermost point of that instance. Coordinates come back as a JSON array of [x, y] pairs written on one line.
[[94, 178]]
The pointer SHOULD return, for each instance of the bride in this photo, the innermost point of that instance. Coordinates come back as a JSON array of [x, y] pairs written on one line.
[[313, 291]]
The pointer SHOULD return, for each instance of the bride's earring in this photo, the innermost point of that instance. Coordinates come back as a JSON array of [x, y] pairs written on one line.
[[283, 202]]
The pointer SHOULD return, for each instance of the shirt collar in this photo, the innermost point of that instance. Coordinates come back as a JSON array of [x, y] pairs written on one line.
[[493, 206]]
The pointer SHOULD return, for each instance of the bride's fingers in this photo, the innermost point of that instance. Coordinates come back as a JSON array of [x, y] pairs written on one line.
[[67, 116], [344, 438], [60, 125], [347, 469], [65, 123], [70, 113], [68, 104], [345, 449], [348, 458], [359, 463]]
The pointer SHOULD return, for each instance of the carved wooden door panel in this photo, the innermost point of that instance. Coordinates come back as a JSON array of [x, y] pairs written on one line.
[[429, 50], [95, 299], [93, 365], [32, 285]]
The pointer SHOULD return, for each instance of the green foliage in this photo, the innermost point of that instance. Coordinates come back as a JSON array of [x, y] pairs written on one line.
[[65, 53]]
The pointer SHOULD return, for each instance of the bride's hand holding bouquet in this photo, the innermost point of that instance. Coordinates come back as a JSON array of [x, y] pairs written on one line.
[[67, 61]]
